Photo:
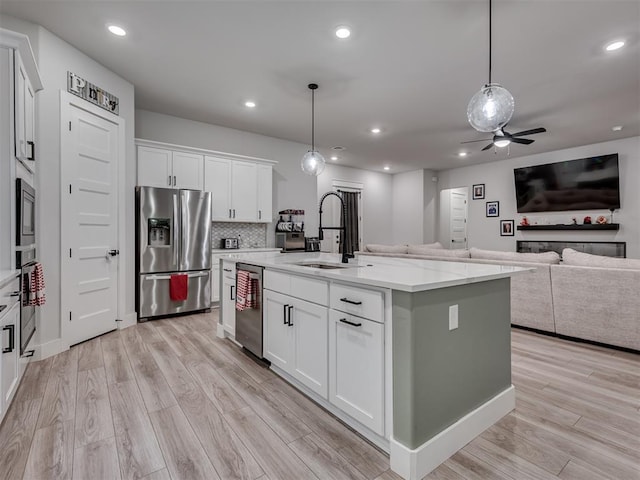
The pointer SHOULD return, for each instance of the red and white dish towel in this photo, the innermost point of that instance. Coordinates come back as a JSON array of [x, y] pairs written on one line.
[[179, 287], [247, 290], [37, 297]]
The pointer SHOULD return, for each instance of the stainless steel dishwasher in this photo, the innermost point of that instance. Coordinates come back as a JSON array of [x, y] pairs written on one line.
[[249, 321]]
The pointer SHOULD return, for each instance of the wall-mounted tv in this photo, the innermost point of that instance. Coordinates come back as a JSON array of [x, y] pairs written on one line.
[[583, 184]]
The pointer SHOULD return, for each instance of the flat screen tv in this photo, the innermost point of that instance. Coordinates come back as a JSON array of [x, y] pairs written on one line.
[[584, 184]]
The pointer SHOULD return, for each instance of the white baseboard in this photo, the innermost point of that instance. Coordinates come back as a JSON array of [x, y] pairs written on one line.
[[415, 464], [129, 320], [49, 349], [220, 331]]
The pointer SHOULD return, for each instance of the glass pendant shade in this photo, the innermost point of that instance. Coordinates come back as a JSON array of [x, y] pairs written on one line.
[[491, 108], [313, 163]]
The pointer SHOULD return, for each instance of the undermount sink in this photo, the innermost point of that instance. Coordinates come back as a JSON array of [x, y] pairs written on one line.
[[325, 265]]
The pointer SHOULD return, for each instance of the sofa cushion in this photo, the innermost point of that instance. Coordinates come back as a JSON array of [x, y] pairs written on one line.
[[437, 245], [580, 259], [437, 252], [376, 248], [546, 257]]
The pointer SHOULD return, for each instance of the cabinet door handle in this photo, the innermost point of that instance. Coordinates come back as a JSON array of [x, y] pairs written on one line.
[[234, 213], [227, 269], [169, 181], [259, 214], [33, 150], [232, 297], [352, 302], [174, 180], [290, 318], [344, 320], [229, 213], [14, 294], [284, 314], [12, 344]]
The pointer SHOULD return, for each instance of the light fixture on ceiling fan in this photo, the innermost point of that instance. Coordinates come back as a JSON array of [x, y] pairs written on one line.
[[313, 163], [492, 107]]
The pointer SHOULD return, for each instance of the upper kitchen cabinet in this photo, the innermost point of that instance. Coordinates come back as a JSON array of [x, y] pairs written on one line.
[[159, 167], [241, 190], [21, 92]]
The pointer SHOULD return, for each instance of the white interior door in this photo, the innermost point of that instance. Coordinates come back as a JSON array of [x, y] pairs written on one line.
[[89, 224], [458, 218]]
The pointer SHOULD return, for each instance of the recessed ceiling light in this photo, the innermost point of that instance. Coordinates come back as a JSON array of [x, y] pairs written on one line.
[[250, 104], [387, 168], [462, 154], [116, 30], [334, 158], [614, 46], [617, 128], [375, 130], [343, 32]]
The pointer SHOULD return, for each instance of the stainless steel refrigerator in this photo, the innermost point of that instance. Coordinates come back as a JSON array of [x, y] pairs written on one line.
[[173, 236]]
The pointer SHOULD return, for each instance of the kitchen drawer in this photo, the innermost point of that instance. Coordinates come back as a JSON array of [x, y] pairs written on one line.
[[8, 293], [229, 270], [310, 289], [362, 302]]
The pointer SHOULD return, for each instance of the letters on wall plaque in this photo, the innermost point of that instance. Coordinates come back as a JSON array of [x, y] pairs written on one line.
[[91, 93]]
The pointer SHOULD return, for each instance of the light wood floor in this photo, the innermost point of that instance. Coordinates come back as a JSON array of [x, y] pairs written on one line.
[[168, 400]]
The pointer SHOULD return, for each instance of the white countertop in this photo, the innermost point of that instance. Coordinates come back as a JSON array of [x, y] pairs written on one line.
[[408, 275], [228, 251], [7, 275]]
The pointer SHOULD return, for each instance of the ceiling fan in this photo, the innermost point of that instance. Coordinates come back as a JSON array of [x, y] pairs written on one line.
[[502, 138]]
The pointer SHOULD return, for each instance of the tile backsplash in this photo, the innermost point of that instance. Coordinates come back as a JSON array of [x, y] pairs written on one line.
[[250, 234]]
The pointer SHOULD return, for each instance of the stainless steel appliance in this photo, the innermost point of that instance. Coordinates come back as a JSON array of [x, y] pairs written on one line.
[[173, 236], [249, 321], [26, 261], [290, 241], [230, 243], [25, 213]]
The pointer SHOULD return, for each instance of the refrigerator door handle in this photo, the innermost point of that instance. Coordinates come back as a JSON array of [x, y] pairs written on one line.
[[176, 226], [168, 277], [183, 231]]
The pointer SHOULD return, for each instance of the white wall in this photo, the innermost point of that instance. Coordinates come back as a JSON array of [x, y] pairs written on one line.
[[407, 204], [292, 187], [499, 185], [430, 202], [376, 201], [55, 58]]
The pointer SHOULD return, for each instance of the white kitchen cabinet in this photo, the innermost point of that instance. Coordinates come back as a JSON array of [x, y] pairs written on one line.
[[296, 339], [265, 193], [215, 279], [158, 167], [356, 368], [228, 299], [242, 190], [24, 103], [9, 325]]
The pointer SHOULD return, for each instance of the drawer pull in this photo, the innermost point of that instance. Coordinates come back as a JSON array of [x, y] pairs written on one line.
[[290, 321], [14, 294], [28, 353], [284, 314], [12, 344], [227, 269], [344, 320], [2, 307], [346, 300]]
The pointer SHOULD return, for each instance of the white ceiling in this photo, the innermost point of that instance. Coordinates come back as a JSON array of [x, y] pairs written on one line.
[[409, 67]]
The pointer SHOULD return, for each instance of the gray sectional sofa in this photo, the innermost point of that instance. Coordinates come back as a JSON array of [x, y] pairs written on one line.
[[585, 296]]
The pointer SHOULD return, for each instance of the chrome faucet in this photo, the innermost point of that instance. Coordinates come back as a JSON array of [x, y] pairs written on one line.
[[345, 256]]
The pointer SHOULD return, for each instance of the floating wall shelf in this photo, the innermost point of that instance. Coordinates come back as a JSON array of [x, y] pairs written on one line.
[[592, 226]]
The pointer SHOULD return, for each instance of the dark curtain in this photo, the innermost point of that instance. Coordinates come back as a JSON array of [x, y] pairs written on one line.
[[351, 203]]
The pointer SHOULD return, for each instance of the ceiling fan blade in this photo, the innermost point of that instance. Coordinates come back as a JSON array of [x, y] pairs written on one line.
[[487, 147], [473, 141], [524, 141], [529, 132]]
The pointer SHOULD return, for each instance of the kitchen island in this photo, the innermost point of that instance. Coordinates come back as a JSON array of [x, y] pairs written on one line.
[[413, 354]]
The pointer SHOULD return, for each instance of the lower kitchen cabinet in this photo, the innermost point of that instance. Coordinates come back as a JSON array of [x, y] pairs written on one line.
[[356, 368], [228, 300], [296, 339], [9, 373]]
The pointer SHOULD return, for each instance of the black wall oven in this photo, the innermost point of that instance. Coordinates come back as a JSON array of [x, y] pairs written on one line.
[[25, 213]]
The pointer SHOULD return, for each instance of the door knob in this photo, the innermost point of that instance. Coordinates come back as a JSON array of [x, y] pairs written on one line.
[[113, 253]]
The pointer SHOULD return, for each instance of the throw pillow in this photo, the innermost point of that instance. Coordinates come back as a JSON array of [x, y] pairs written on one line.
[[580, 259], [437, 245], [545, 257], [437, 252], [376, 248]]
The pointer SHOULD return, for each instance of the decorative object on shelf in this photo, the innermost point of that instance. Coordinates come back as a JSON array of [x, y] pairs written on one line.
[[313, 163], [492, 107], [493, 209], [601, 220], [524, 222], [574, 221], [587, 220], [506, 228], [478, 192], [611, 217]]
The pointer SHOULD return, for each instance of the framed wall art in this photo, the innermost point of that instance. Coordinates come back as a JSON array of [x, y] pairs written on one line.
[[506, 228], [478, 192], [493, 209]]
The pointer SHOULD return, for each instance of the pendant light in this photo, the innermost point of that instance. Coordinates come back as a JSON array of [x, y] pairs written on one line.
[[313, 163], [492, 107]]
